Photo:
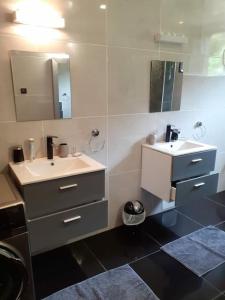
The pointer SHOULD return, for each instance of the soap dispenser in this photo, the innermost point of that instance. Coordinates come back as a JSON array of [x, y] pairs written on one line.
[[31, 149]]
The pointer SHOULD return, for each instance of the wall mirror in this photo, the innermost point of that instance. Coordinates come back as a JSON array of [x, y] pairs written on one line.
[[166, 85], [42, 87]]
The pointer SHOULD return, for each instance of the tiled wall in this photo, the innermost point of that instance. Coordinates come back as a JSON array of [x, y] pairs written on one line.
[[110, 54]]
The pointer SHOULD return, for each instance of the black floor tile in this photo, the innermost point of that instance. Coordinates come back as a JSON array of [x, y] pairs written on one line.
[[86, 259], [219, 198], [121, 245], [168, 226], [170, 280], [204, 211], [55, 270], [217, 277]]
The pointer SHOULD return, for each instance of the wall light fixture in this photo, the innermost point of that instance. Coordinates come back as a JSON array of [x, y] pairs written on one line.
[[38, 14]]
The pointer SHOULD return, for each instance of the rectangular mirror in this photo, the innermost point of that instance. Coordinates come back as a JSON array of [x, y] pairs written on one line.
[[166, 85], [42, 87]]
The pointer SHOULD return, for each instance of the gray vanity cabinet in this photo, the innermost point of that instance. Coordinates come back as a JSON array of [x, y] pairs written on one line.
[[194, 188], [191, 177], [55, 195], [63, 227], [178, 178], [189, 165], [63, 210]]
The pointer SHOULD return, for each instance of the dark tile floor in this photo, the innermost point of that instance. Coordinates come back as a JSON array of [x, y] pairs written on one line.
[[140, 248]]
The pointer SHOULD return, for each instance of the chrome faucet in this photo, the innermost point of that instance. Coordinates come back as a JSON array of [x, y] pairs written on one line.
[[50, 145], [172, 134]]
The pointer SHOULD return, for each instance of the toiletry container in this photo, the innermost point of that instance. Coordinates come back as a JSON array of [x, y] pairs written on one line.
[[63, 150], [152, 139], [18, 155], [31, 149]]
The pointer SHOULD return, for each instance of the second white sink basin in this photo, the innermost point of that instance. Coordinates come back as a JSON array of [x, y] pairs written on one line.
[[42, 169], [180, 147]]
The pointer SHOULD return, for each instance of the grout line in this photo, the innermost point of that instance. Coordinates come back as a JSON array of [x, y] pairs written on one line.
[[196, 222], [124, 172], [220, 223], [8, 122], [153, 238], [58, 40], [106, 115], [150, 50], [156, 113], [191, 219], [140, 258], [107, 103], [213, 201], [210, 284], [220, 294], [94, 255], [83, 117]]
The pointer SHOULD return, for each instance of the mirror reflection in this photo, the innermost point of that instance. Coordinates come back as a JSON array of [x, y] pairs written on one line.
[[166, 85], [42, 86]]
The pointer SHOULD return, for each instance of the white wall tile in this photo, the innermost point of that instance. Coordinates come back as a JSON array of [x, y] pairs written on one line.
[[126, 134], [221, 183], [122, 188], [133, 23], [86, 22], [88, 65], [190, 14], [14, 134], [203, 92], [220, 162], [77, 132], [129, 78]]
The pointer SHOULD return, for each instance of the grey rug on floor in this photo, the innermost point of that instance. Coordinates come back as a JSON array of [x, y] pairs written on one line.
[[121, 283], [201, 251]]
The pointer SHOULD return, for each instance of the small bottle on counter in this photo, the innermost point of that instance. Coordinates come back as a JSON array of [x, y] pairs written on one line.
[[31, 149]]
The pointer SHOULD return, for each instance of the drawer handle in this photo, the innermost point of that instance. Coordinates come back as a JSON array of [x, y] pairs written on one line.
[[66, 187], [198, 185], [70, 220], [197, 160]]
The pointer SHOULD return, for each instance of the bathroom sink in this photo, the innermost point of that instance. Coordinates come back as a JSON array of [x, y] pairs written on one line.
[[43, 169], [180, 147]]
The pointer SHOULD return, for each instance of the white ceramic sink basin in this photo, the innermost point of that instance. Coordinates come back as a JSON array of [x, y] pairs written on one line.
[[43, 169], [180, 147]]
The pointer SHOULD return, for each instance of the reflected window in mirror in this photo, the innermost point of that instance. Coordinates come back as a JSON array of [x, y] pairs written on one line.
[[42, 85], [166, 86]]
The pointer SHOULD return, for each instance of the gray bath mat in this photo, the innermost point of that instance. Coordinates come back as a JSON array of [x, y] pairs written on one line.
[[121, 283], [201, 251]]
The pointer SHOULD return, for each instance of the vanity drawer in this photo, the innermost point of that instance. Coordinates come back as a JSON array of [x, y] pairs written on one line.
[[194, 189], [190, 165], [58, 229], [56, 195]]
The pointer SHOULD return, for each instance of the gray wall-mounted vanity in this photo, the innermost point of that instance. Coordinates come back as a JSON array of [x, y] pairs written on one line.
[[58, 212]]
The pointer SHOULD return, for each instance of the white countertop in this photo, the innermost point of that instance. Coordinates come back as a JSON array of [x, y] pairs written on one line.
[[180, 147], [42, 169]]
